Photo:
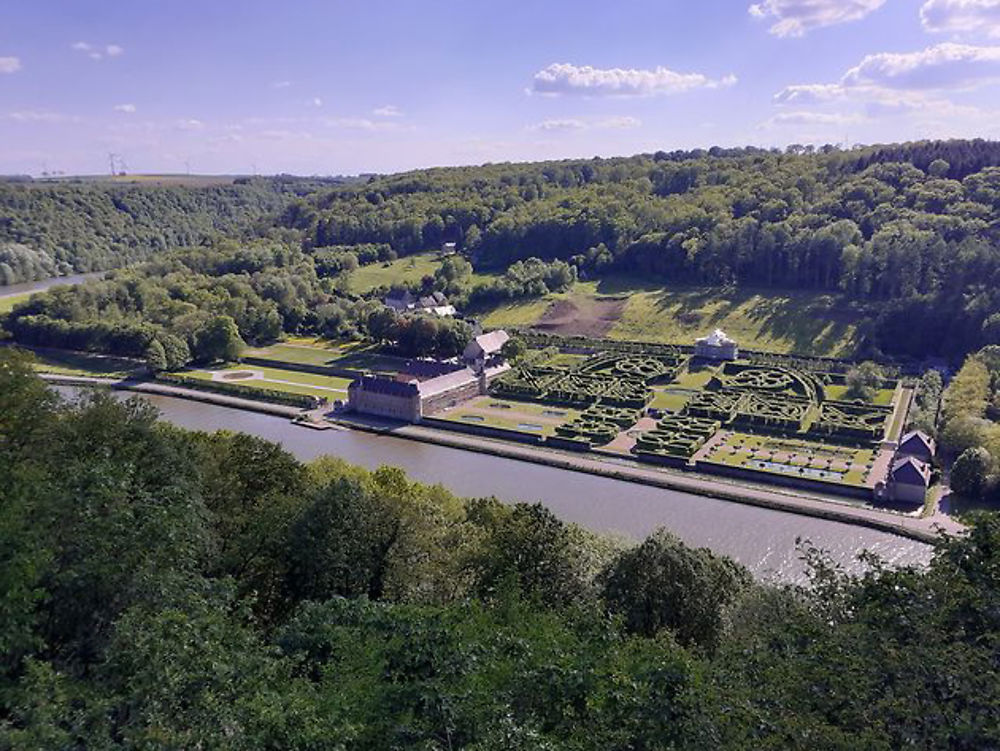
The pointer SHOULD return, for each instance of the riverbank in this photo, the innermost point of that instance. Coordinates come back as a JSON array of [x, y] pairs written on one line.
[[915, 528], [924, 530]]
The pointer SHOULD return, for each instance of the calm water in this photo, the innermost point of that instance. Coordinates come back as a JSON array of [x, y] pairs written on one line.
[[20, 289], [763, 540]]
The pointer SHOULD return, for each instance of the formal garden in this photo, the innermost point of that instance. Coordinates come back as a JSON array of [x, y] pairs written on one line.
[[770, 416]]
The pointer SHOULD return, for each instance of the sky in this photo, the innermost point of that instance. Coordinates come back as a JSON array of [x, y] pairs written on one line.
[[325, 87]]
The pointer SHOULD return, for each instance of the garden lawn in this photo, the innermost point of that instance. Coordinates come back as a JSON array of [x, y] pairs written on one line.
[[509, 414], [65, 362], [349, 355], [882, 396], [289, 381], [670, 398]]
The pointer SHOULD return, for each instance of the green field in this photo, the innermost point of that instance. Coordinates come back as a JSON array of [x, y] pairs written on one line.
[[406, 270], [349, 355], [8, 302], [782, 322], [673, 399]]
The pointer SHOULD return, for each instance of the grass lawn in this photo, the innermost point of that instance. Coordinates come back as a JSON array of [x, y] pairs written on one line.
[[510, 415], [289, 381], [406, 270], [523, 313], [352, 355], [882, 397], [8, 302], [84, 364], [770, 320], [668, 398], [697, 379]]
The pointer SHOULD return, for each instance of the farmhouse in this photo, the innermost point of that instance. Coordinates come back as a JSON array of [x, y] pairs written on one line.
[[716, 346], [917, 444], [909, 480], [404, 301], [485, 347]]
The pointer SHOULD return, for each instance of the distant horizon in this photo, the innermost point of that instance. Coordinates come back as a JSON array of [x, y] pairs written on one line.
[[370, 173], [177, 87]]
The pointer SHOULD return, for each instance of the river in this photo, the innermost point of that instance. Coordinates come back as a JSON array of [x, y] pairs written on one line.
[[763, 540], [11, 290]]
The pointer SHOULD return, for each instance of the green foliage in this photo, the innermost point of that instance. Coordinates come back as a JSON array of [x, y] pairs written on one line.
[[664, 584], [863, 381], [970, 474], [163, 589]]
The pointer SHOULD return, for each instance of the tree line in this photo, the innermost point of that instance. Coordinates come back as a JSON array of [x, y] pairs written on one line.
[[170, 589]]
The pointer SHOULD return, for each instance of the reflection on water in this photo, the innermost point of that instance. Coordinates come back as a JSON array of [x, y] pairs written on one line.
[[763, 540]]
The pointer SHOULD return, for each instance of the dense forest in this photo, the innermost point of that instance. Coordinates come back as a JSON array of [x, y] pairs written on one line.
[[168, 589], [58, 228], [911, 231]]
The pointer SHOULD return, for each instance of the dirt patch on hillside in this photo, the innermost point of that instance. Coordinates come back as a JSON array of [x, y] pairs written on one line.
[[593, 317]]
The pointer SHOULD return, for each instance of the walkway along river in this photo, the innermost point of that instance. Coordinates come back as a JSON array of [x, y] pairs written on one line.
[[762, 539]]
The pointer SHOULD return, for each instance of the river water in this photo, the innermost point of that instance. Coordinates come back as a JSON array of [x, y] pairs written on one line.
[[19, 289], [763, 540]]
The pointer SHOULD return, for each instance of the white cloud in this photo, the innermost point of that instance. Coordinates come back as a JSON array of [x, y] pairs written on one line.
[[962, 16], [813, 118], [281, 84], [389, 110], [793, 18], [190, 124], [10, 64], [565, 78], [361, 123], [128, 109], [568, 125], [810, 93], [314, 102], [96, 52], [944, 66], [39, 116]]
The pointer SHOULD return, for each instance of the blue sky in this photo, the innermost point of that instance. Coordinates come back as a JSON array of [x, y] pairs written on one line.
[[328, 87]]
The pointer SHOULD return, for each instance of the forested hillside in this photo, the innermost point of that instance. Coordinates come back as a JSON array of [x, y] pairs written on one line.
[[910, 233], [167, 589], [65, 227], [913, 227]]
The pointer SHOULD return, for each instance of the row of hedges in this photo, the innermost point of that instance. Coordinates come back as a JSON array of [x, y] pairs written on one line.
[[247, 392], [551, 386]]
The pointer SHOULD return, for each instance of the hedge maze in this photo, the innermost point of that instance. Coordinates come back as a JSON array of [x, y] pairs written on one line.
[[851, 422], [598, 425], [676, 436]]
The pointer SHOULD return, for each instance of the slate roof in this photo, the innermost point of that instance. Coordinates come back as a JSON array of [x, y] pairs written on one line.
[[378, 385], [915, 439], [910, 471], [488, 344]]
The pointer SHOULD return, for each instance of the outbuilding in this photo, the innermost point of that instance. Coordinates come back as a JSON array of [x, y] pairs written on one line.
[[716, 346], [917, 444], [909, 480]]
